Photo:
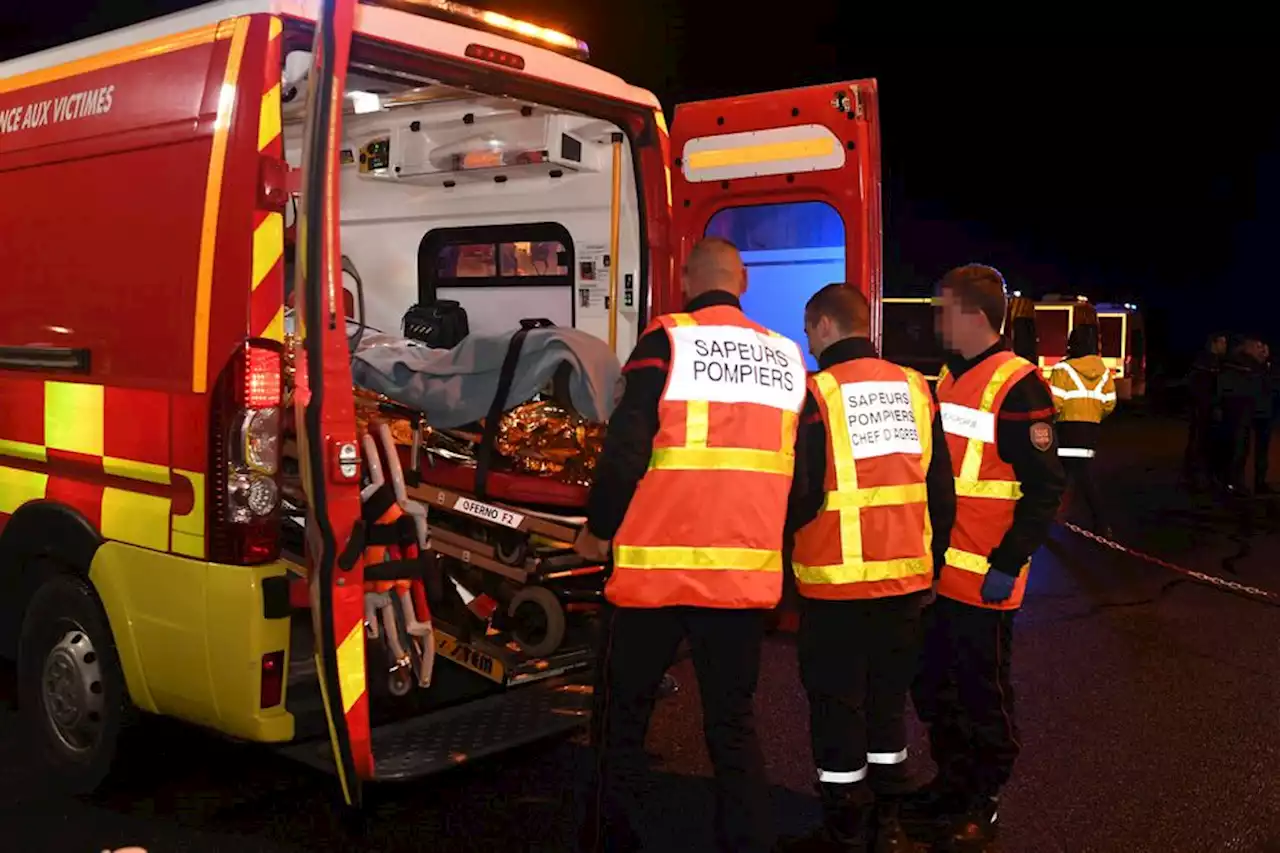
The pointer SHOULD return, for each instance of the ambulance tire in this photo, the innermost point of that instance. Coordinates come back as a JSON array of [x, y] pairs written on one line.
[[538, 621], [71, 689]]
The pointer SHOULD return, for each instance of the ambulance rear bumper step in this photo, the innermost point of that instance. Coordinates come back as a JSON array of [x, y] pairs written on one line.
[[435, 742]]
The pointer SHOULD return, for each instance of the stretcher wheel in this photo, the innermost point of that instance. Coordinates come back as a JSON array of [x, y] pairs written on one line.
[[511, 550], [399, 682], [538, 620]]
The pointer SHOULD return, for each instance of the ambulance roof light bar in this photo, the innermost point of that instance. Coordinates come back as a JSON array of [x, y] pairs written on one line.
[[493, 21]]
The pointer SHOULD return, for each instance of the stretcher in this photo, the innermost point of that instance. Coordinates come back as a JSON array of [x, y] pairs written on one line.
[[491, 584], [465, 561]]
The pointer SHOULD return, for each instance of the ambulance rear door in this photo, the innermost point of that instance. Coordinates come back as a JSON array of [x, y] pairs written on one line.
[[325, 412], [793, 179]]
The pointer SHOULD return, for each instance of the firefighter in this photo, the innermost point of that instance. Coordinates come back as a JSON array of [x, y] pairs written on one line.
[[874, 475], [997, 414], [691, 494], [1084, 393]]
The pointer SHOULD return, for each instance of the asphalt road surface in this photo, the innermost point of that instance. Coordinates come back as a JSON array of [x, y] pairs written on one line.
[[1149, 708]]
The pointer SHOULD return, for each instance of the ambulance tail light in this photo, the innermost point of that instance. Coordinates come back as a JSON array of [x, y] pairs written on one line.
[[271, 683], [245, 451]]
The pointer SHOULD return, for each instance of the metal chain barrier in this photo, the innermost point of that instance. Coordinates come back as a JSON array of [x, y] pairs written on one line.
[[1212, 580]]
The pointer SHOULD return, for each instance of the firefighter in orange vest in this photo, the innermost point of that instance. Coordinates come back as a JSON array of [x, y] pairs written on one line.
[[998, 416], [873, 500], [691, 494]]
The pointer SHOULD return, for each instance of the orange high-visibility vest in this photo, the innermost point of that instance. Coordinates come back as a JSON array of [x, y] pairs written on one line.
[[872, 538], [986, 487], [705, 526]]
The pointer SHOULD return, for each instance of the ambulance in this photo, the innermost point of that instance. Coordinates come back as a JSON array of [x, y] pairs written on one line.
[[149, 178]]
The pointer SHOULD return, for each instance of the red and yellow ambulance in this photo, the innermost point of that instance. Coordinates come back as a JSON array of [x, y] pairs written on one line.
[[148, 178]]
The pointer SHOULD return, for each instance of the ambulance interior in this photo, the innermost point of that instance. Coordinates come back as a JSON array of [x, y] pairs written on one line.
[[505, 208], [501, 205]]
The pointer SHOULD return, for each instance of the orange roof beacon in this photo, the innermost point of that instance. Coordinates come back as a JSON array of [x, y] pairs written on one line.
[[156, 184]]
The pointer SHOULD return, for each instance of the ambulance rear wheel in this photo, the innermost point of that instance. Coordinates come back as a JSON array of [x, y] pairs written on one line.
[[537, 621], [70, 685]]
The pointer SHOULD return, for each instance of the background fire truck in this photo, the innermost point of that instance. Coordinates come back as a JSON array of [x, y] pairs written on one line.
[[448, 159], [1036, 330]]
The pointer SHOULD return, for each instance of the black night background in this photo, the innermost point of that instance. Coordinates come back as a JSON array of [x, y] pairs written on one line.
[[1079, 158]]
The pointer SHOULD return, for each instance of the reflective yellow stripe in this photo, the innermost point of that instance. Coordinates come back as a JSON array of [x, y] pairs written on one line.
[[133, 53], [136, 518], [212, 204], [722, 458], [697, 413], [268, 246], [188, 530], [968, 561], [1007, 489], [856, 499], [870, 571], [847, 497], [269, 118], [73, 415], [275, 329], [17, 487], [972, 465], [922, 406], [22, 450], [351, 666], [802, 149], [146, 472], [697, 422], [790, 424], [675, 557]]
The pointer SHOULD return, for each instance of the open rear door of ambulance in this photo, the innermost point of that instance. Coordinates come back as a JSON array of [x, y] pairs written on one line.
[[792, 178], [325, 412]]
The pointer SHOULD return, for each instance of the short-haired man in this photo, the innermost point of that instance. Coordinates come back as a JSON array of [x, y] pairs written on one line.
[[871, 509], [998, 416], [691, 491]]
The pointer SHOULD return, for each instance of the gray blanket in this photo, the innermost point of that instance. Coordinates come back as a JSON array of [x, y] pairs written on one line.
[[455, 387]]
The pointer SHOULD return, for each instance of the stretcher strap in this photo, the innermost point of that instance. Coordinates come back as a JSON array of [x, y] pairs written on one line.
[[377, 505], [394, 570], [484, 454], [399, 532]]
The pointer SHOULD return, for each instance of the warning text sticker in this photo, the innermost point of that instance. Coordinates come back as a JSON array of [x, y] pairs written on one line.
[[730, 364], [880, 419]]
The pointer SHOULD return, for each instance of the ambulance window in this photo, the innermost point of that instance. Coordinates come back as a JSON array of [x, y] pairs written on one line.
[[467, 261], [529, 265], [532, 258], [791, 251], [1109, 329]]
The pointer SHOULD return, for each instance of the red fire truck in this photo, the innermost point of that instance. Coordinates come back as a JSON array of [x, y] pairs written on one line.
[[147, 180]]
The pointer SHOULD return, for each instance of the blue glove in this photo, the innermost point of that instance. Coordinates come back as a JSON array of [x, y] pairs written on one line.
[[997, 587]]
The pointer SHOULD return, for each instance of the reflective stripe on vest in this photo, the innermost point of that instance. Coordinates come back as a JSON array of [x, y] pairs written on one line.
[[894, 442], [1082, 391], [977, 494], [705, 526]]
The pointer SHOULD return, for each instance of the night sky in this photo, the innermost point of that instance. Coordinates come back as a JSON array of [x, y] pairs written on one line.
[[1077, 159]]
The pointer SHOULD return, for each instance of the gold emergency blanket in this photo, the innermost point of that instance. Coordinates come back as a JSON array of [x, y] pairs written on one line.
[[541, 437]]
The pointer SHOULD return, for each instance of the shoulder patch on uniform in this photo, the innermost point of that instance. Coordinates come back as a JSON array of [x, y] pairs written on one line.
[[1041, 436]]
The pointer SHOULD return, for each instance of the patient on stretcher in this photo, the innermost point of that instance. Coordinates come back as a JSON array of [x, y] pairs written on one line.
[[558, 394]]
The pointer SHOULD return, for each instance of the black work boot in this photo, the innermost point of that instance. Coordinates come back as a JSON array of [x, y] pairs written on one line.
[[889, 833], [932, 806], [848, 817], [975, 828]]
